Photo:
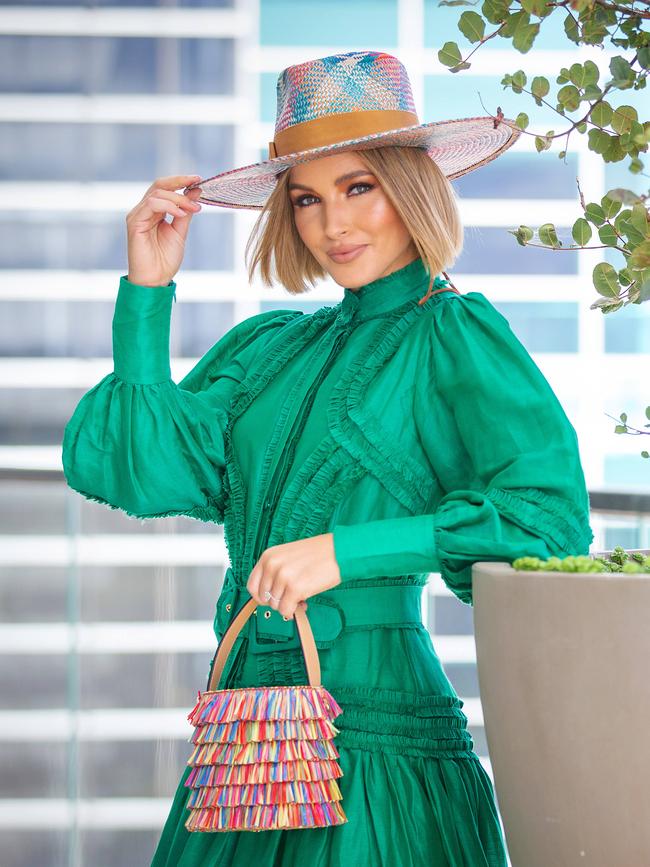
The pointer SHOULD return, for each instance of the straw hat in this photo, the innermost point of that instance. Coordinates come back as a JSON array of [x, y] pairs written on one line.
[[354, 101]]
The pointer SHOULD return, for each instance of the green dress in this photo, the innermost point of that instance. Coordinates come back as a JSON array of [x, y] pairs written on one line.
[[426, 439]]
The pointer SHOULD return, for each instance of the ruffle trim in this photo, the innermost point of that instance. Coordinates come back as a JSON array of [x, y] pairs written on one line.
[[558, 521], [404, 477], [409, 703], [315, 482], [390, 721], [274, 360], [211, 513], [406, 746]]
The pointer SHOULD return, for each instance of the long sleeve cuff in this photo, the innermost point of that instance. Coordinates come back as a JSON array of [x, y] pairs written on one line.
[[141, 327], [387, 547]]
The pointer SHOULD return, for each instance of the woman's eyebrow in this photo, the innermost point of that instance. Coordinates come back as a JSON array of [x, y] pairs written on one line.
[[340, 180]]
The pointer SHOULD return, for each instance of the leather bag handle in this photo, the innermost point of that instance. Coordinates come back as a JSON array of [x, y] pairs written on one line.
[[309, 650]]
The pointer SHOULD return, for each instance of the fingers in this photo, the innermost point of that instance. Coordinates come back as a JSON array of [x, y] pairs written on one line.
[[161, 198], [166, 202], [181, 222], [172, 182], [262, 579]]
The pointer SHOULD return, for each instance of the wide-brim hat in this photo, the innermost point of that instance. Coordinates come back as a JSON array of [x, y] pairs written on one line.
[[354, 101]]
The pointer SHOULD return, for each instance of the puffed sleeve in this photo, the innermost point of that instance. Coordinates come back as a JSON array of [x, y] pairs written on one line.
[[140, 442], [502, 448]]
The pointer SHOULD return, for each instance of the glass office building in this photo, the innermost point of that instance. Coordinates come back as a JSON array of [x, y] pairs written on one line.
[[106, 621]]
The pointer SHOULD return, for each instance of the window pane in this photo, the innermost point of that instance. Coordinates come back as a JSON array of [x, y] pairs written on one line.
[[545, 326], [493, 250], [114, 64], [83, 329], [628, 329], [329, 22], [98, 241], [521, 176], [112, 152]]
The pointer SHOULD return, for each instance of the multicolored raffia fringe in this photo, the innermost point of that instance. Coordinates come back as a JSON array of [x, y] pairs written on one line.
[[264, 759]]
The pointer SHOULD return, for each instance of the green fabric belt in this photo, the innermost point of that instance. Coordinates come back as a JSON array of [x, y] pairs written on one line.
[[329, 613]]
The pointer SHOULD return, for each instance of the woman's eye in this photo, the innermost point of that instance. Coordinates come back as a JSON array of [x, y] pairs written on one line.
[[300, 201]]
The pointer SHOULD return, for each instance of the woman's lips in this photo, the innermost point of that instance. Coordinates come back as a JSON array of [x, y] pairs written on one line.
[[348, 257]]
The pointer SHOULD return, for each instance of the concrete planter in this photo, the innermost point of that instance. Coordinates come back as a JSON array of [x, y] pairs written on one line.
[[564, 673]]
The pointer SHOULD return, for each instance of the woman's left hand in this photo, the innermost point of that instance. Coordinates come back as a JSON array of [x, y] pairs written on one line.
[[293, 572]]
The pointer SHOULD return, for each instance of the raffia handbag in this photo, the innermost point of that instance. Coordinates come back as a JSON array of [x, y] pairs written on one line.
[[264, 757]]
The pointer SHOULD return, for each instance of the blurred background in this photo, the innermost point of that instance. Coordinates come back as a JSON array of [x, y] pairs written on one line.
[[106, 621]]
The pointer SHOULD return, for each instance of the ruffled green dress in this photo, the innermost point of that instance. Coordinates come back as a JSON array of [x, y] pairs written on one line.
[[426, 439]]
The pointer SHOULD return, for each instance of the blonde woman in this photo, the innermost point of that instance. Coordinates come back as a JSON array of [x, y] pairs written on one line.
[[349, 452]]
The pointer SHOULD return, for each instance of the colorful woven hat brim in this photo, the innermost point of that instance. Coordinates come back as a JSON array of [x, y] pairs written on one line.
[[458, 146], [354, 101]]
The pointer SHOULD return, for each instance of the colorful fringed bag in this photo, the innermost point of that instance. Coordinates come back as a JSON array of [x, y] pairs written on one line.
[[264, 757]]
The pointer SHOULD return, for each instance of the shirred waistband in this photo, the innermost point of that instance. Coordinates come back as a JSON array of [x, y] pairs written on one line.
[[330, 613]]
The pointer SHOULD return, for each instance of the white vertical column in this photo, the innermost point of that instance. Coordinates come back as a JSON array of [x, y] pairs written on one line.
[[246, 151]]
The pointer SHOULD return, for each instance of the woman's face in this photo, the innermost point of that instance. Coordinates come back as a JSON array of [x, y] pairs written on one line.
[[332, 211]]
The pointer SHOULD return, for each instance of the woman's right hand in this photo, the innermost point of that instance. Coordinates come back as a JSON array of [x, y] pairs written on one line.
[[156, 247]]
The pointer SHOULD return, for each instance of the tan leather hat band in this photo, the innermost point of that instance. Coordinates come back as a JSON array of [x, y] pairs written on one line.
[[333, 128]]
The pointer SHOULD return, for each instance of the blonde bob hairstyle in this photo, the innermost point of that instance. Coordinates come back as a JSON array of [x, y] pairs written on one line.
[[419, 191]]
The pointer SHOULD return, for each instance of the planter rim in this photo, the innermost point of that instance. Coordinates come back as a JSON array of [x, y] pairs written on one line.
[[501, 566]]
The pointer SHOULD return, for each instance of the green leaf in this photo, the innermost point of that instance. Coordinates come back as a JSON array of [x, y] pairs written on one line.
[[624, 277], [523, 235], [592, 73], [610, 207], [569, 97], [644, 290], [591, 92], [571, 29], [516, 19], [622, 73], [495, 11], [594, 213], [449, 54], [623, 117], [472, 26], [548, 235], [524, 37], [607, 235], [639, 219], [577, 74], [581, 231], [522, 120], [536, 7], [640, 257], [606, 280], [539, 86], [626, 197], [623, 416], [601, 113], [599, 141], [460, 66]]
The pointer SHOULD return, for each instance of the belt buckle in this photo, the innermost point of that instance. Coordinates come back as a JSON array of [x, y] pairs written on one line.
[[268, 631], [279, 632]]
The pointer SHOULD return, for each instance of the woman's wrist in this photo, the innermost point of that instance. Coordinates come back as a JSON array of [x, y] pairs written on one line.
[[145, 283]]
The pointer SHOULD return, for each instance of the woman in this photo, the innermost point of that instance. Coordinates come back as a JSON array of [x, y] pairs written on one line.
[[348, 453]]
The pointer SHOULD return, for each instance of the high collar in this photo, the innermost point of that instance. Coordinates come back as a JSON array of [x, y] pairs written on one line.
[[386, 293]]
